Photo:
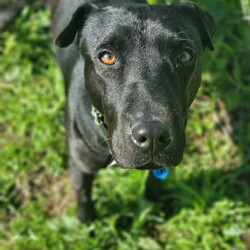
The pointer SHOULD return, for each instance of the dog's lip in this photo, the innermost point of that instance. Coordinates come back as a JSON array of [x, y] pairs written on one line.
[[152, 166], [147, 166]]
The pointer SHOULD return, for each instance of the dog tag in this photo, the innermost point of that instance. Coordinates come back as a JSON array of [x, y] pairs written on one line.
[[161, 174]]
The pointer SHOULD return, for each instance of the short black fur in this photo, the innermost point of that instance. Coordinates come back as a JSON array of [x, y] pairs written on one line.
[[143, 97]]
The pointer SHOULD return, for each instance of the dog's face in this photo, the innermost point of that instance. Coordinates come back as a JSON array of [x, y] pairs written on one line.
[[142, 71]]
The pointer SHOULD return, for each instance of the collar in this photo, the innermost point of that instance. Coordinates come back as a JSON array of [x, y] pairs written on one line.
[[161, 174]]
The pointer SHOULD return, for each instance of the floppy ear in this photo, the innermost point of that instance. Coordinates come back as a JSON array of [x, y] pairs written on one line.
[[206, 22], [76, 23]]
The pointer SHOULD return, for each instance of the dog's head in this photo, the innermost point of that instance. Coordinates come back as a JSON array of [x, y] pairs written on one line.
[[142, 70]]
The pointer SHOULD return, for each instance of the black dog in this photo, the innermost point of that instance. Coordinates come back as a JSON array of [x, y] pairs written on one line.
[[131, 73]]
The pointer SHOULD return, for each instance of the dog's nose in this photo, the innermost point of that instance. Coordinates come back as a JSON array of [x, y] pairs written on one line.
[[151, 135]]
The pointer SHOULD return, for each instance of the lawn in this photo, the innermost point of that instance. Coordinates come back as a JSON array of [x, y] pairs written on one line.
[[207, 200]]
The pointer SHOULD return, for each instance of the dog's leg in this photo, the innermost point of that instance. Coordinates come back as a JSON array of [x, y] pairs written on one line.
[[83, 186], [156, 191], [154, 188]]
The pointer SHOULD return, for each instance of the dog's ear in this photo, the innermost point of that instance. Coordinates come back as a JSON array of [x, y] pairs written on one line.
[[206, 22], [76, 23]]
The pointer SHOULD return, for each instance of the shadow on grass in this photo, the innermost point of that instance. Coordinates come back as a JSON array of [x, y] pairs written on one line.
[[205, 188]]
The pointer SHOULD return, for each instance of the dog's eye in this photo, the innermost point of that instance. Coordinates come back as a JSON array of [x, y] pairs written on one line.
[[184, 57], [108, 58]]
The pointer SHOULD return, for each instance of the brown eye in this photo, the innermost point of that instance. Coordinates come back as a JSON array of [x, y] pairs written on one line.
[[108, 58], [184, 57]]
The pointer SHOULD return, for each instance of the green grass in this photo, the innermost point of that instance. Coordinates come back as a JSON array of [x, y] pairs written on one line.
[[207, 200]]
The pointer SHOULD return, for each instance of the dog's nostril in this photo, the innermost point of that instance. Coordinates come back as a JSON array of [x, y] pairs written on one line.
[[164, 140], [142, 139]]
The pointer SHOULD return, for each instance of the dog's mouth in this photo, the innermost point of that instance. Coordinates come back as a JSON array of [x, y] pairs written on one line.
[[152, 166], [147, 166]]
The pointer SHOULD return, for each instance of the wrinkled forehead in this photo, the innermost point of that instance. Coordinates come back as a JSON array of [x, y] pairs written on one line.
[[111, 26]]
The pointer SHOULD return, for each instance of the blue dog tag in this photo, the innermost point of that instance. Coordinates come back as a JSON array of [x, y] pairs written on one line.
[[161, 174]]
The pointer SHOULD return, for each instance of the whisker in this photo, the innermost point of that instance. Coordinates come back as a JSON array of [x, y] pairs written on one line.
[[105, 140]]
